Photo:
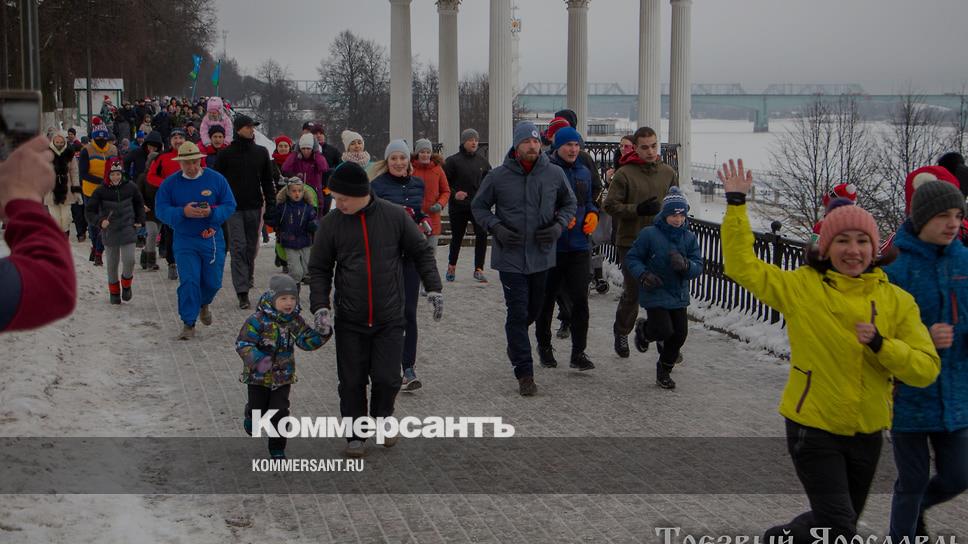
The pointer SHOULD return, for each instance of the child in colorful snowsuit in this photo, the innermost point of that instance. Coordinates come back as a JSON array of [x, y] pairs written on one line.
[[664, 257], [118, 211], [295, 225], [267, 344], [933, 267]]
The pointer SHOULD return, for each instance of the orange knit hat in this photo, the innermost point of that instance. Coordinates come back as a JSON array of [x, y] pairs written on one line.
[[847, 218]]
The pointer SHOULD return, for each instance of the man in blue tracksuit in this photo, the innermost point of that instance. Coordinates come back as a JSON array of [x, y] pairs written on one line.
[[194, 203]]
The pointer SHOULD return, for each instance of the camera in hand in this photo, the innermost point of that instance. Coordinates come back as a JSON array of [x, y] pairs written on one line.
[[19, 119]]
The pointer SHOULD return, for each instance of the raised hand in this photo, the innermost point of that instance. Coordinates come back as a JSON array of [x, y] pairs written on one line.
[[735, 178]]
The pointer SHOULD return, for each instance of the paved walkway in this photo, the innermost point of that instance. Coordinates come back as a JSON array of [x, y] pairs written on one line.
[[122, 367]]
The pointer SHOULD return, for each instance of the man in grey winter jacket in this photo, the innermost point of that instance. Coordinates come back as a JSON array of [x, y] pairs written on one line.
[[532, 204]]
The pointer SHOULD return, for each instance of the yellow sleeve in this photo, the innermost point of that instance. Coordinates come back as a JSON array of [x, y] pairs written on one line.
[[775, 287], [910, 355]]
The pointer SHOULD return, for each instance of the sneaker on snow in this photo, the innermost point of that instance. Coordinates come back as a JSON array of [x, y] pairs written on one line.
[[641, 342], [527, 387], [98, 260], [581, 361], [243, 301], [205, 315], [564, 330], [355, 449], [172, 272], [451, 274], [410, 381], [662, 378], [187, 333], [277, 454], [479, 276], [665, 382], [622, 345], [547, 356], [391, 441]]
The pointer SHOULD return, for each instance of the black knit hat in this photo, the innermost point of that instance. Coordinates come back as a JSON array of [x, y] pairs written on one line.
[[243, 121], [932, 198], [350, 179], [568, 115]]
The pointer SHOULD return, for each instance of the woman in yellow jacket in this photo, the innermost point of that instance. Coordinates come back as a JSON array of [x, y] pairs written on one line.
[[851, 333]]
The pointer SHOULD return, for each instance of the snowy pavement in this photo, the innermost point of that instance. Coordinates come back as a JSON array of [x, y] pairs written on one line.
[[118, 371]]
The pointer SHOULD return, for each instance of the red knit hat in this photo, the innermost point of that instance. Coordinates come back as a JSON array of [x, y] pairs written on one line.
[[283, 138], [554, 125], [843, 190], [921, 175], [847, 218]]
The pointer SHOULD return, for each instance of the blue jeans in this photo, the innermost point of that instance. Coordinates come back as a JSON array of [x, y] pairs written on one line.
[[915, 490], [523, 295]]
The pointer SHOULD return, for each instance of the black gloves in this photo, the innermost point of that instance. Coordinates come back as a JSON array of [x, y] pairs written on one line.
[[507, 236], [678, 263], [648, 207], [548, 235], [650, 280]]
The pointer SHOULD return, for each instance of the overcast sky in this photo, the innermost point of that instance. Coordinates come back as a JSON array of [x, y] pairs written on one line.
[[884, 45]]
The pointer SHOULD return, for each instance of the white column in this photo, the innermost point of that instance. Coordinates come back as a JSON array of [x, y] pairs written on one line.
[[578, 61], [499, 120], [401, 72], [650, 51], [448, 106], [680, 87]]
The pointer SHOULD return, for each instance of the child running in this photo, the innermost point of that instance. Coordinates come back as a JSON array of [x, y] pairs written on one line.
[[295, 225], [852, 333], [267, 345], [118, 210], [664, 257]]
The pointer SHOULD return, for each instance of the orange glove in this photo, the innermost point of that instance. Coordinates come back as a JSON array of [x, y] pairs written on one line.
[[571, 224], [591, 223]]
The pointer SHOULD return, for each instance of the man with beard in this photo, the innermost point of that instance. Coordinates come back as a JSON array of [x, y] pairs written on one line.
[[532, 204]]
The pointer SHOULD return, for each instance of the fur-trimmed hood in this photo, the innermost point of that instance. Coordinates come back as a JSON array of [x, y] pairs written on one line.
[[282, 196]]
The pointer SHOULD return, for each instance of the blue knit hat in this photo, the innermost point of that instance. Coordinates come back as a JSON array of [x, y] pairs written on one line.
[[566, 135], [674, 203], [524, 131]]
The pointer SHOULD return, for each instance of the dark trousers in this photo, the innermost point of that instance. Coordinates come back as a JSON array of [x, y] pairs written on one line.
[[458, 226], [94, 233], [628, 305], [265, 399], [570, 275], [411, 288], [915, 490], [244, 228], [836, 472], [368, 354], [669, 327], [523, 296], [564, 307], [165, 246], [80, 222]]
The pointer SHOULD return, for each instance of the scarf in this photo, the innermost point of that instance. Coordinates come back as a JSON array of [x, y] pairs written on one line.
[[280, 159], [361, 158]]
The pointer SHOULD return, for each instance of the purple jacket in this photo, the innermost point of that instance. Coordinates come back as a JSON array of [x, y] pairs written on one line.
[[311, 170]]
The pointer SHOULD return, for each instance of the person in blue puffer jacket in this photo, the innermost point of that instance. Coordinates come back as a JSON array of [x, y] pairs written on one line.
[[664, 257], [392, 179], [295, 225], [570, 274], [935, 271]]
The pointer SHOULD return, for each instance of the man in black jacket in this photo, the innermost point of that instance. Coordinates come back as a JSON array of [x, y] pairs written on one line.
[[361, 249], [465, 170], [136, 160], [247, 167]]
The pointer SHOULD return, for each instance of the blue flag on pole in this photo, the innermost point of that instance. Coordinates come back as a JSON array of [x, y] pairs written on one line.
[[197, 60], [217, 73]]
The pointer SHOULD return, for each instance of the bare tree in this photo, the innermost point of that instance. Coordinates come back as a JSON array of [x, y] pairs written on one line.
[[915, 139], [277, 98], [356, 79], [426, 90]]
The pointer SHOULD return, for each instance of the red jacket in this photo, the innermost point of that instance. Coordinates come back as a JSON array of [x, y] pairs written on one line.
[[164, 166], [436, 190], [39, 284]]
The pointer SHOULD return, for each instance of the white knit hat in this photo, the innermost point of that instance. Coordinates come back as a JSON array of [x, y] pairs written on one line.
[[349, 136], [307, 140]]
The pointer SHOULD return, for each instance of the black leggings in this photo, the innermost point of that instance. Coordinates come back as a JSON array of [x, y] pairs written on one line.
[[265, 399]]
